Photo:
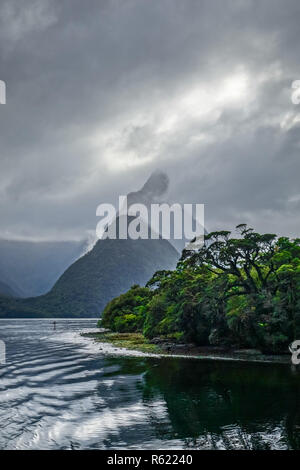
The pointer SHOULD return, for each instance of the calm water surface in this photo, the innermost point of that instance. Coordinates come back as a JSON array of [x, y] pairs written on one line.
[[58, 391]]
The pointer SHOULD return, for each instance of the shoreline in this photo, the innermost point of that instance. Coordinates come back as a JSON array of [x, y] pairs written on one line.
[[132, 343]]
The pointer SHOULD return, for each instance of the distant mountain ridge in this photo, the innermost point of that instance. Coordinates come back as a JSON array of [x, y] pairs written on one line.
[[32, 268], [108, 270], [7, 290], [84, 289]]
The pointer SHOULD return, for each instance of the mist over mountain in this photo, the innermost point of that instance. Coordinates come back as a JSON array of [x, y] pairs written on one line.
[[31, 268], [110, 268], [155, 191], [84, 289], [155, 187], [7, 290]]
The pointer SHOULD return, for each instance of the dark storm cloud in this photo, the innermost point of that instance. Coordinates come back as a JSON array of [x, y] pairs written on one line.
[[101, 93]]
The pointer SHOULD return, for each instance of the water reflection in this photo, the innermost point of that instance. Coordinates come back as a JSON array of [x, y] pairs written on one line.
[[220, 405], [59, 395]]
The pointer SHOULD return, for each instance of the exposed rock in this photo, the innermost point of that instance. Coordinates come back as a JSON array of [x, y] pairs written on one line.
[[248, 352]]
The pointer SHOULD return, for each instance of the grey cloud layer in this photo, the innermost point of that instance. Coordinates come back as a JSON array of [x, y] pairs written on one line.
[[101, 93]]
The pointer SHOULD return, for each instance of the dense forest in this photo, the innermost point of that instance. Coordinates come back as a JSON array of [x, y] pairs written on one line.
[[241, 291]]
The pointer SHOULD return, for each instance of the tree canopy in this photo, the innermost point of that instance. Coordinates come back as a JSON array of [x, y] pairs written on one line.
[[235, 291]]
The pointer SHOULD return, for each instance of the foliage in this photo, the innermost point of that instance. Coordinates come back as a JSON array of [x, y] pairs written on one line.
[[235, 292], [135, 341], [126, 313], [83, 290]]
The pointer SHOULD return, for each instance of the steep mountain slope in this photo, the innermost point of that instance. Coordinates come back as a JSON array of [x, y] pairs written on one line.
[[32, 268], [109, 269]]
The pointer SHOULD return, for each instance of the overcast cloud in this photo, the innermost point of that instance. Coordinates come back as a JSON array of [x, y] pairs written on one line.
[[102, 93]]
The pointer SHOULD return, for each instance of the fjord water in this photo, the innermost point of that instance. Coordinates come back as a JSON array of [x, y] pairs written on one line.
[[59, 391]]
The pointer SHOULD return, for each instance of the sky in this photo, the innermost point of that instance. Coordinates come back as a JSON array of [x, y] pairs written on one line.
[[102, 93]]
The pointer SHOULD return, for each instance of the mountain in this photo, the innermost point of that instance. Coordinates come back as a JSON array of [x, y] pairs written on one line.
[[8, 291], [32, 268], [108, 270]]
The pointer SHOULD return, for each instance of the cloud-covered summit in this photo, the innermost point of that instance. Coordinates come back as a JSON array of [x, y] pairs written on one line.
[[152, 191], [99, 95]]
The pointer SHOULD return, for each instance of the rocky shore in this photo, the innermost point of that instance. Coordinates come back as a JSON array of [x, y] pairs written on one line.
[[164, 347]]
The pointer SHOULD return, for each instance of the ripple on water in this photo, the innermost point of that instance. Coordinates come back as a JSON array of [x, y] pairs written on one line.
[[58, 391]]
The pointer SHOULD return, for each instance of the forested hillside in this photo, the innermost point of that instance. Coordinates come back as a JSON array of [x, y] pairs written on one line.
[[84, 289], [235, 292]]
